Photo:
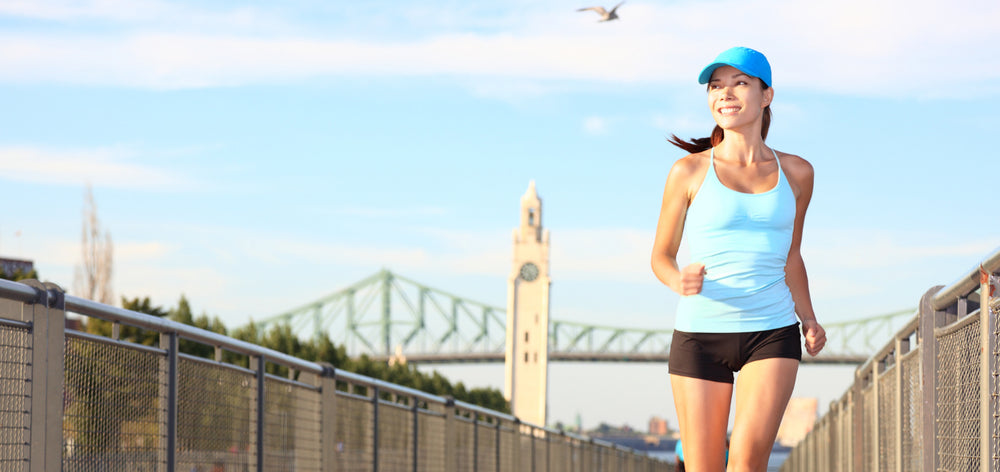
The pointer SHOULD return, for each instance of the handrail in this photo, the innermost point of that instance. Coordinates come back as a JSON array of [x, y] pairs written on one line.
[[965, 284], [17, 291], [907, 329], [142, 320], [27, 294]]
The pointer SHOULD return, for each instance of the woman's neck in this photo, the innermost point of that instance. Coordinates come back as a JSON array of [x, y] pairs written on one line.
[[742, 148]]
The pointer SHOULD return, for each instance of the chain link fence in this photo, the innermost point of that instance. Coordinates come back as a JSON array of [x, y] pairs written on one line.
[[76, 401], [929, 400], [15, 395]]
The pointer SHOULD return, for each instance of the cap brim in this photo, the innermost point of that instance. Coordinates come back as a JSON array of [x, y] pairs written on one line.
[[706, 73]]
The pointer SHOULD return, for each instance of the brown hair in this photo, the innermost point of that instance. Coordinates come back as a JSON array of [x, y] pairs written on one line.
[[701, 144]]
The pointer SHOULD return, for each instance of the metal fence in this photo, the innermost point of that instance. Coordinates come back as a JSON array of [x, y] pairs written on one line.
[[75, 401], [927, 401]]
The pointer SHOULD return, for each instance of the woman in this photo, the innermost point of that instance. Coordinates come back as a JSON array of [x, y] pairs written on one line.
[[741, 205]]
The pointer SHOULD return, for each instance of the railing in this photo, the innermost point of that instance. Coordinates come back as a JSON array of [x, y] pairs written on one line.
[[75, 401], [929, 400]]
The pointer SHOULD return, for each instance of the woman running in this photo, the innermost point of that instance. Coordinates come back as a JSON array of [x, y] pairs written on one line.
[[741, 206]]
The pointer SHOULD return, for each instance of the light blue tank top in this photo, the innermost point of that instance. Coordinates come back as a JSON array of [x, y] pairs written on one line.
[[743, 240]]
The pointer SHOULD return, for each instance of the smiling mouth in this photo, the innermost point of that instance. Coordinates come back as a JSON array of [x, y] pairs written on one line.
[[728, 110]]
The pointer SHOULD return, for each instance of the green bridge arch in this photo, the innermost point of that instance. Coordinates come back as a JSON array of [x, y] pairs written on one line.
[[386, 312]]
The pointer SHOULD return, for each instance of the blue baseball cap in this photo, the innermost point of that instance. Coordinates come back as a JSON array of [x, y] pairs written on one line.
[[748, 61]]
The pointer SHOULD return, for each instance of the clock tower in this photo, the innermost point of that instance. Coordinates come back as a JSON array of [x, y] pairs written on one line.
[[526, 356]]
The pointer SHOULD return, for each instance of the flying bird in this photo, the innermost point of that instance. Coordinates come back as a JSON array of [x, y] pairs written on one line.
[[605, 15]]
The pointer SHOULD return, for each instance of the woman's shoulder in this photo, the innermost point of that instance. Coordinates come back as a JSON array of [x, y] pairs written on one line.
[[795, 165], [799, 172], [691, 165], [686, 175]]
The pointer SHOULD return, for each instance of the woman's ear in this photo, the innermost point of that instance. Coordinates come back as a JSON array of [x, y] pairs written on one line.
[[768, 96]]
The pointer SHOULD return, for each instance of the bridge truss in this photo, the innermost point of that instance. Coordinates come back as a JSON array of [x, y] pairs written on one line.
[[387, 315]]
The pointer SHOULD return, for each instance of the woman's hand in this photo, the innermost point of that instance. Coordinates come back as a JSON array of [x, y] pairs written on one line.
[[692, 277], [815, 336]]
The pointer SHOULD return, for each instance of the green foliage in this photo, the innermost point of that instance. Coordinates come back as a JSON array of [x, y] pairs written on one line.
[[130, 333], [281, 338], [106, 367], [182, 314]]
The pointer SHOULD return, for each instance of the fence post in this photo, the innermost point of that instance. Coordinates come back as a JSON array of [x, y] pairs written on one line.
[[415, 408], [171, 343], [47, 316], [831, 442], [859, 424], [475, 442], [597, 453], [327, 384], [987, 420], [928, 379], [876, 437], [548, 451], [450, 452], [261, 410], [531, 436], [496, 465], [375, 431], [515, 445], [898, 351]]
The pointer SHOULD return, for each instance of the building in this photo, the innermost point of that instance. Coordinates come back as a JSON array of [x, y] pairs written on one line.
[[11, 266], [526, 356], [658, 426], [800, 416]]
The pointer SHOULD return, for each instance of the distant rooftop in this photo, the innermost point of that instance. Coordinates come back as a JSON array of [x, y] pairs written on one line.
[[11, 266]]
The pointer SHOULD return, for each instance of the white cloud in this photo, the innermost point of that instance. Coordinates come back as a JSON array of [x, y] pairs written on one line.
[[103, 167], [595, 125], [849, 47], [137, 13]]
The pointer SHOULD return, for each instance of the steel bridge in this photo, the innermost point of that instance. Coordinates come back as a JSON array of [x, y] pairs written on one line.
[[387, 315]]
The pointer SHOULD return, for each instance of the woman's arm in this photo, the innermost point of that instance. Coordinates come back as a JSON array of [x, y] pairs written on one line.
[[677, 194], [800, 174]]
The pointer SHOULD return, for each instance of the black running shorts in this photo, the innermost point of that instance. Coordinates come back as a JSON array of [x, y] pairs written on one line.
[[715, 356]]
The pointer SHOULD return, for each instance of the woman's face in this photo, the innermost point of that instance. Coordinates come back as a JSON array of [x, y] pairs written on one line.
[[736, 99]]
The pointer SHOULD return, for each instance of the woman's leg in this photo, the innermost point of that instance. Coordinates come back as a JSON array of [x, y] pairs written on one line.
[[762, 392], [702, 415]]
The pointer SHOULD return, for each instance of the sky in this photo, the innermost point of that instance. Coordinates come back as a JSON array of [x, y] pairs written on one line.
[[257, 156]]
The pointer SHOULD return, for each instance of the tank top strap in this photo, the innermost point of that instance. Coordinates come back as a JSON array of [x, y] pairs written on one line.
[[711, 167]]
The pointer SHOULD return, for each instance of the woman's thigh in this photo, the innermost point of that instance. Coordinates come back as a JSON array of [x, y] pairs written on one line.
[[703, 418], [762, 392]]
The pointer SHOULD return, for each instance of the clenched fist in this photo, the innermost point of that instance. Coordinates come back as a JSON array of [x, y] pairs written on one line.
[[692, 277], [815, 337]]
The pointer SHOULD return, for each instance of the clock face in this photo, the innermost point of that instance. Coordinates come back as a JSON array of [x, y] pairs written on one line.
[[529, 272]]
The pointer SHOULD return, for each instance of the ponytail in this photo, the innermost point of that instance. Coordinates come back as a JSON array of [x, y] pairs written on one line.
[[696, 145]]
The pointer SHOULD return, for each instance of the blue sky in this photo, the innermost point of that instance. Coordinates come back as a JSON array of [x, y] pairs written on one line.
[[258, 156]]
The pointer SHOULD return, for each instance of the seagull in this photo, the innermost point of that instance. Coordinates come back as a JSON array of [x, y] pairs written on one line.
[[605, 15]]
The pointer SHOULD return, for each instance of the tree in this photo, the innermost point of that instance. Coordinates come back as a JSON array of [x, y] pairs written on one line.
[[183, 314], [112, 392], [93, 278]]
